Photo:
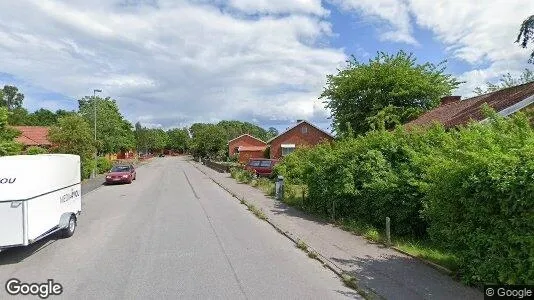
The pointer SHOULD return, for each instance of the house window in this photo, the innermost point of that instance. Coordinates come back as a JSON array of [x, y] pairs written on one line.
[[304, 130], [236, 149], [287, 149]]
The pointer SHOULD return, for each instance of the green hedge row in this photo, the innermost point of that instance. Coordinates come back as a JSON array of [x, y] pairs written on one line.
[[470, 190]]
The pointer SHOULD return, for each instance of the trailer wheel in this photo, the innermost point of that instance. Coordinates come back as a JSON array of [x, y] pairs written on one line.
[[71, 227]]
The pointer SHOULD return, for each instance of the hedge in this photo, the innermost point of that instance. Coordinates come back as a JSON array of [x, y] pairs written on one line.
[[471, 190]]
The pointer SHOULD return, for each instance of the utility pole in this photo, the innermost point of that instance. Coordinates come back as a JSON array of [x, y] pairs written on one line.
[[96, 152]]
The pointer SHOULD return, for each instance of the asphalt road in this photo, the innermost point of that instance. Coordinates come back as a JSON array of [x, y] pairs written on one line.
[[172, 234]]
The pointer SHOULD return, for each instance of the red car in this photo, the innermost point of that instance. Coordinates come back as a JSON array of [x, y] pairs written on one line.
[[121, 174], [261, 166]]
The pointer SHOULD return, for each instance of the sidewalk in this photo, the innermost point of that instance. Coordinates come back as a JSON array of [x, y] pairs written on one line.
[[379, 270]]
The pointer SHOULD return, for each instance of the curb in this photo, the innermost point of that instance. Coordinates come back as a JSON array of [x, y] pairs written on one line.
[[365, 292]]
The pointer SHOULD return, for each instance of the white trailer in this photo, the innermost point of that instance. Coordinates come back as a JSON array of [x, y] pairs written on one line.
[[39, 195]]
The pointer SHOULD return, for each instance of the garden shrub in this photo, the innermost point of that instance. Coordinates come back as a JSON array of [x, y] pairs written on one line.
[[471, 190], [103, 165], [34, 150], [480, 201]]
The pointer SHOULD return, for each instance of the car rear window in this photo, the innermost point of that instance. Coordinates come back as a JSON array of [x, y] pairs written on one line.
[[120, 169], [265, 163]]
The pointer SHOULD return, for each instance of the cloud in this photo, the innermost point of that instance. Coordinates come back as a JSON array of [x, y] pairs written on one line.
[[481, 37], [393, 14], [170, 63], [279, 6]]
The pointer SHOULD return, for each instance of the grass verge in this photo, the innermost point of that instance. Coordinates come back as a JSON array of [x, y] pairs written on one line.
[[295, 195], [416, 248]]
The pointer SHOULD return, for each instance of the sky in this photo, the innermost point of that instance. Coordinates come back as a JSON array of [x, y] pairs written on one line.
[[171, 63]]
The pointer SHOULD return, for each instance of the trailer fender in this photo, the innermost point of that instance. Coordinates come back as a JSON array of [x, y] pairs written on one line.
[[64, 220]]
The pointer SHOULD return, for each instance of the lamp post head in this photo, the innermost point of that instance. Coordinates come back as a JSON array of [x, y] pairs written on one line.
[[97, 91]]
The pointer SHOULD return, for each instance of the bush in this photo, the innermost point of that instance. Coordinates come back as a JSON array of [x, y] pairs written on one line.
[[87, 168], [469, 190], [34, 150], [103, 165], [480, 202]]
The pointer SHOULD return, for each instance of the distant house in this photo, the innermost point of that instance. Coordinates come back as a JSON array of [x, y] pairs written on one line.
[[453, 111], [246, 146], [301, 134], [33, 136]]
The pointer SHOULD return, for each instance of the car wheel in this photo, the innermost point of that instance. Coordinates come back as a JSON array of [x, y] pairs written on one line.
[[71, 227]]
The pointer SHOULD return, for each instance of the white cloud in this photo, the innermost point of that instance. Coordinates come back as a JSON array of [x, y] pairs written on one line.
[[394, 13], [279, 6], [173, 62], [482, 35]]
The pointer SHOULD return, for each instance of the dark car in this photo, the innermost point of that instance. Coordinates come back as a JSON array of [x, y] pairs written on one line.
[[162, 155], [121, 174], [261, 166]]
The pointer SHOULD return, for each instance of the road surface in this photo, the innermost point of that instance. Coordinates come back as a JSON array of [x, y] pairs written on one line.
[[172, 234]]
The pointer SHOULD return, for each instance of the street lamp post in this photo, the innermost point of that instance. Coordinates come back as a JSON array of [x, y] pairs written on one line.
[[96, 152]]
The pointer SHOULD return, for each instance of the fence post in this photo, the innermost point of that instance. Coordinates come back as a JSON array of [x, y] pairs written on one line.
[[279, 188], [388, 231]]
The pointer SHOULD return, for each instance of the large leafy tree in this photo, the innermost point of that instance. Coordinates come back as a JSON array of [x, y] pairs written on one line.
[[208, 140], [43, 117], [234, 129], [11, 97], [113, 132], [8, 145], [73, 135], [19, 116], [526, 35], [506, 81], [391, 84], [178, 139]]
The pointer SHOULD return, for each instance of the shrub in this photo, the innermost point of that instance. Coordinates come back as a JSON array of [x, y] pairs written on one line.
[[34, 150], [480, 202], [103, 165], [470, 190], [87, 168]]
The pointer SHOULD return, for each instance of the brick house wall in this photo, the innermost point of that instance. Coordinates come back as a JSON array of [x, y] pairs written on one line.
[[303, 134], [244, 156], [244, 140]]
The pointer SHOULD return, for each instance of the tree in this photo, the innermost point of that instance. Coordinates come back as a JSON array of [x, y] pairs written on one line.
[[526, 35], [209, 140], [178, 139], [360, 91], [43, 117], [73, 135], [113, 132], [506, 81], [11, 98], [234, 129], [8, 145], [272, 132], [19, 116]]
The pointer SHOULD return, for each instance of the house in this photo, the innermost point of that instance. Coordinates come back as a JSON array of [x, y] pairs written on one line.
[[453, 111], [246, 146], [301, 134], [33, 136]]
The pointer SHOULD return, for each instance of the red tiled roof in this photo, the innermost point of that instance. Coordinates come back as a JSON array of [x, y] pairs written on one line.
[[33, 135], [461, 112], [252, 148]]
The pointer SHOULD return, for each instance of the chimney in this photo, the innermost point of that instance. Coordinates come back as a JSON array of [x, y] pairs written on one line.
[[450, 99], [298, 121]]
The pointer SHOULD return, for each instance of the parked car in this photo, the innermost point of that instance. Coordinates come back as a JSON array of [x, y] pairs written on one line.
[[121, 174], [262, 167], [162, 155]]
